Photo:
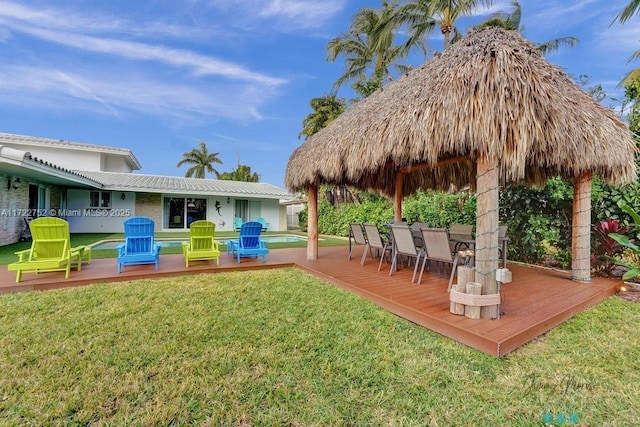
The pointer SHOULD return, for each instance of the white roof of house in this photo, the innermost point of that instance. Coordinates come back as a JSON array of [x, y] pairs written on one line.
[[20, 163], [25, 140], [171, 184]]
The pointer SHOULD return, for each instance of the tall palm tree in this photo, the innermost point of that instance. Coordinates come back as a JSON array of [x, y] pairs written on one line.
[[201, 160], [368, 46], [511, 21], [423, 16]]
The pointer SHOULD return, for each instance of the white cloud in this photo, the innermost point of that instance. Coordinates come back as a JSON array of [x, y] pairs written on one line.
[[281, 15], [99, 92], [305, 13], [619, 38], [113, 66], [14, 14], [198, 64]]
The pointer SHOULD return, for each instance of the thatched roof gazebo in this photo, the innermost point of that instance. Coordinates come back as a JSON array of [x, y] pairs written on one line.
[[488, 111]]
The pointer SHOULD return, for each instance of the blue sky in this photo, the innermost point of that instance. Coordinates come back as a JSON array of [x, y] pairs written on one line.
[[159, 76]]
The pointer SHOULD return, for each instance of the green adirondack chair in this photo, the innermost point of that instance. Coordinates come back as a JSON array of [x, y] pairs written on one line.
[[50, 249], [201, 245]]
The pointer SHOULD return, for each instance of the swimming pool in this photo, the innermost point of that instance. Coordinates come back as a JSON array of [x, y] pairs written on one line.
[[168, 243]]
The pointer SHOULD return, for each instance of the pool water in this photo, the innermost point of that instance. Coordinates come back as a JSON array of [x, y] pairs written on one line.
[[168, 243]]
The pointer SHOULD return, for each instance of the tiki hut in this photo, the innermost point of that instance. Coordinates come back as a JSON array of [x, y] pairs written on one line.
[[490, 110]]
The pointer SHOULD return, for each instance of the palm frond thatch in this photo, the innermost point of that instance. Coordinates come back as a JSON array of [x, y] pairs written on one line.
[[491, 94]]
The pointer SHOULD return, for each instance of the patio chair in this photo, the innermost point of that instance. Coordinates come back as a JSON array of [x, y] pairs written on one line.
[[417, 234], [249, 242], [462, 232], [237, 223], [139, 246], [50, 249], [375, 241], [356, 232], [404, 246], [201, 245], [264, 223], [437, 249]]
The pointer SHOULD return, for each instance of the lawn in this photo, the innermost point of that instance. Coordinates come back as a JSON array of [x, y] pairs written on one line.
[[280, 347]]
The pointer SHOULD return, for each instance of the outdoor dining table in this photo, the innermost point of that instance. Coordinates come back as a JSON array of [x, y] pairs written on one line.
[[470, 243]]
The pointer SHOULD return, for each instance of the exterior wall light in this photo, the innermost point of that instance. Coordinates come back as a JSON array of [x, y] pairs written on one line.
[[15, 184]]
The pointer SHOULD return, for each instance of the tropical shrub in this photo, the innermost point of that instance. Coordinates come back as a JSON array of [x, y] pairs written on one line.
[[435, 208], [604, 249], [538, 221], [439, 209], [632, 261]]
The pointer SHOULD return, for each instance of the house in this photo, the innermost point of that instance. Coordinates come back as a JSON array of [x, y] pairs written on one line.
[[96, 188]]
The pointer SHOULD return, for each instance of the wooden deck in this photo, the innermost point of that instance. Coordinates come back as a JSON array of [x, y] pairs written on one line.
[[536, 301]]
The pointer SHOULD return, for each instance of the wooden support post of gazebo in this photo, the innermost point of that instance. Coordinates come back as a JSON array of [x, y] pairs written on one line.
[[397, 201], [312, 222], [487, 220], [581, 229]]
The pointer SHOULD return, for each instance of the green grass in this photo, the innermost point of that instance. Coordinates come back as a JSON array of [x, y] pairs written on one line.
[[7, 253], [280, 347]]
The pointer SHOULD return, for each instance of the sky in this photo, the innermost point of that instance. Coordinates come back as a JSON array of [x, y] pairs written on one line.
[[159, 76]]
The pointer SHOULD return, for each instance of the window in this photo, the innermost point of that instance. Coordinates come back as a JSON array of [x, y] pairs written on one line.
[[100, 199]]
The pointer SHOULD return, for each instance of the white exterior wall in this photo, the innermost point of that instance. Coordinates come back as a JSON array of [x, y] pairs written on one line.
[[76, 159], [70, 159], [114, 164], [82, 219], [271, 212], [270, 209], [223, 220]]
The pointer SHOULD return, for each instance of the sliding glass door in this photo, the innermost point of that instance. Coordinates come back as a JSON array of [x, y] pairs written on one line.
[[180, 212]]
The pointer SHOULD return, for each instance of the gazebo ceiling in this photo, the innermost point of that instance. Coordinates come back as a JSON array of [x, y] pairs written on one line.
[[490, 94]]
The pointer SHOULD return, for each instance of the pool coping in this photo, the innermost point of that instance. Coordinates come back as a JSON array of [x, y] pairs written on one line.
[[185, 239]]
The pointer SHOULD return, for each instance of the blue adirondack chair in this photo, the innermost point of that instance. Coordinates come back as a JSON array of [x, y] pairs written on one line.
[[237, 223], [249, 242], [139, 246], [264, 223]]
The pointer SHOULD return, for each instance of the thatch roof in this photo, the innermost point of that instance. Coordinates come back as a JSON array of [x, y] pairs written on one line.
[[489, 94]]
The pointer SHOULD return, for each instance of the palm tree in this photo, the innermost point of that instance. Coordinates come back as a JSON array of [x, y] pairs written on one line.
[[511, 21], [423, 16], [242, 173], [368, 46], [201, 160], [325, 109]]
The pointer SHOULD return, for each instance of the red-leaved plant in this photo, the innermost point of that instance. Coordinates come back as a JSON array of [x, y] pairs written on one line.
[[604, 249], [632, 258]]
